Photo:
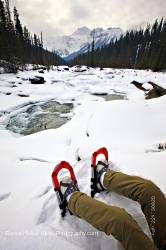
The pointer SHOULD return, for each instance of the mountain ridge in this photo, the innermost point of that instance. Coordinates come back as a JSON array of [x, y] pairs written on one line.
[[68, 47]]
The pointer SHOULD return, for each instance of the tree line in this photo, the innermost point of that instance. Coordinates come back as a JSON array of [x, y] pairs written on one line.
[[17, 45], [139, 49]]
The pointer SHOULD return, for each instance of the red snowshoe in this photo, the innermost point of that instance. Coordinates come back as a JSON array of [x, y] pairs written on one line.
[[69, 186], [96, 186]]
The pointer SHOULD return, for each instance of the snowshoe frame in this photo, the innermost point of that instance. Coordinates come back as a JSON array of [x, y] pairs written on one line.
[[61, 200]]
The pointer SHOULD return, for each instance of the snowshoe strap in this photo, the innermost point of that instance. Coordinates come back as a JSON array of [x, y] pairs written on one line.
[[103, 164], [71, 187]]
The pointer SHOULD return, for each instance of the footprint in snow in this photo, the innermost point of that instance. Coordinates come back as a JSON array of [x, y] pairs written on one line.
[[33, 159], [4, 196], [44, 192], [47, 211]]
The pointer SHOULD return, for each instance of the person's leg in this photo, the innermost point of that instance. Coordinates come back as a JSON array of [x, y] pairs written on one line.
[[111, 220], [150, 197]]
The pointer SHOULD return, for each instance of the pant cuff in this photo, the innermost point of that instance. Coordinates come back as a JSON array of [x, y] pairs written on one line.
[[73, 200]]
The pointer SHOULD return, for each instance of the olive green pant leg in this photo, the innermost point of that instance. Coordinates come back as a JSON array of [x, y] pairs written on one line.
[[112, 220], [150, 197]]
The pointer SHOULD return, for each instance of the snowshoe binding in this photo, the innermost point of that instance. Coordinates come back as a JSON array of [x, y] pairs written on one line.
[[65, 187]]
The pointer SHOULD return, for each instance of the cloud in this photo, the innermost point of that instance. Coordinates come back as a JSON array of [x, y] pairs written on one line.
[[79, 10], [55, 17]]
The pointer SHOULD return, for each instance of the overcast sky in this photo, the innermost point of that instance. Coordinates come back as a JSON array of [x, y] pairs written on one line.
[[55, 17]]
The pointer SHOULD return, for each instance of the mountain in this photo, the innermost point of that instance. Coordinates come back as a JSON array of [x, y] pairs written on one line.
[[78, 42], [143, 48], [66, 45]]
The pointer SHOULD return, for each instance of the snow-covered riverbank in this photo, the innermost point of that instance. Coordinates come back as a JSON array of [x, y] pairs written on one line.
[[131, 128]]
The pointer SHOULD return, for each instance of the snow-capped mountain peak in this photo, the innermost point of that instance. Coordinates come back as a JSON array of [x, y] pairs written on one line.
[[78, 42], [82, 31]]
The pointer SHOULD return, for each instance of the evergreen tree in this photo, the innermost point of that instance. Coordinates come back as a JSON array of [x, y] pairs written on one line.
[[17, 45], [140, 49], [18, 26]]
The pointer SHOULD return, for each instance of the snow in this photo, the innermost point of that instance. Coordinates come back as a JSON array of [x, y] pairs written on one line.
[[131, 130]]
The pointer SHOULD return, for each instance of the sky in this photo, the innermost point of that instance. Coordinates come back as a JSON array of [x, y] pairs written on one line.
[[63, 17]]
